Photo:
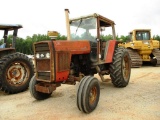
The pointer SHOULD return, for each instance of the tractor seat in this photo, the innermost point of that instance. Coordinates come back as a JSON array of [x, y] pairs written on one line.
[[3, 45]]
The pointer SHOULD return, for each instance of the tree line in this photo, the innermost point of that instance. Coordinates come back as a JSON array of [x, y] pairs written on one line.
[[26, 45]]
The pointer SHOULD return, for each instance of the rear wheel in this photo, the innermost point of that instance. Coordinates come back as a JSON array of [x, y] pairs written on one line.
[[120, 68], [16, 71], [37, 95], [88, 94]]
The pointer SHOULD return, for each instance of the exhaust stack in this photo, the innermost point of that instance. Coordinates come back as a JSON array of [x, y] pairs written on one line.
[[67, 24]]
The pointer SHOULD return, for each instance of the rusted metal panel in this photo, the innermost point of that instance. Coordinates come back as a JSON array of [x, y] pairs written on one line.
[[63, 61], [74, 47], [42, 47], [109, 51], [46, 88], [43, 75], [62, 76], [43, 64]]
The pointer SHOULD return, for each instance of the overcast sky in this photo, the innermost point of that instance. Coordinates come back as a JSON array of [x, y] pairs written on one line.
[[39, 16]]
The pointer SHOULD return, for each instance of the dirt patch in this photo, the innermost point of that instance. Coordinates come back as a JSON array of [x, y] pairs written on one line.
[[140, 100]]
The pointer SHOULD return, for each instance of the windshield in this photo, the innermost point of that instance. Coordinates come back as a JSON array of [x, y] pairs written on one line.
[[84, 29], [141, 35]]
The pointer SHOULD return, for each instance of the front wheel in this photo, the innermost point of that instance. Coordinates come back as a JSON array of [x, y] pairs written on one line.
[[120, 68], [88, 94], [37, 95]]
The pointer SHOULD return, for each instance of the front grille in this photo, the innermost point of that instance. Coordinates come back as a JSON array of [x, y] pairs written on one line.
[[44, 75], [41, 47], [43, 64]]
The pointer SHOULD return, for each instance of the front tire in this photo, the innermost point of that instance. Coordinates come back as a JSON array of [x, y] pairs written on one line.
[[16, 71], [120, 68], [88, 94], [37, 95]]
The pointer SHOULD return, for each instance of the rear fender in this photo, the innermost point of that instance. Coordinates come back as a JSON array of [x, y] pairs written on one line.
[[6, 51], [109, 50]]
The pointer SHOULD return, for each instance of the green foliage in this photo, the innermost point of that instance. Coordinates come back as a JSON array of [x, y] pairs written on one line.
[[61, 37], [156, 37], [110, 37], [124, 38], [26, 45], [9, 40], [106, 38]]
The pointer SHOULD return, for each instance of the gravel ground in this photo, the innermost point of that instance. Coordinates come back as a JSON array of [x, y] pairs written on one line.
[[140, 100]]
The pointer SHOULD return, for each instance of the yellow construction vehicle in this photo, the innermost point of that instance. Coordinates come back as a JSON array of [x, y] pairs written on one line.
[[142, 48]]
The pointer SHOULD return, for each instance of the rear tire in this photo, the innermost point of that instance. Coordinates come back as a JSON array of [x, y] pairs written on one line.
[[88, 94], [37, 95], [16, 71], [120, 68]]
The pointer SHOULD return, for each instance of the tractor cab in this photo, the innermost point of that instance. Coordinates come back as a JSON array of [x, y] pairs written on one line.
[[141, 35], [6, 28], [92, 28]]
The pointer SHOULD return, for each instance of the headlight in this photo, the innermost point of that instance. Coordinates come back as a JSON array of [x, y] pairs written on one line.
[[37, 55], [43, 55], [47, 55]]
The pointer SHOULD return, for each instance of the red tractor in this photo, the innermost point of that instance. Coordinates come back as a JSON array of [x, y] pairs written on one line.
[[78, 58]]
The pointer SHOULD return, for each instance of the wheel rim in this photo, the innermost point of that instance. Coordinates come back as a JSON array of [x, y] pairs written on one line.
[[17, 73], [93, 95], [126, 67]]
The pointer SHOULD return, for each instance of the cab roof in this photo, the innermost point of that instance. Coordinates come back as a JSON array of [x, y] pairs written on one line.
[[10, 26], [103, 20]]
